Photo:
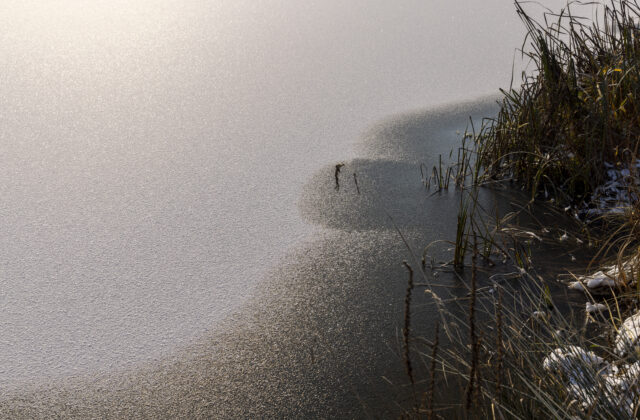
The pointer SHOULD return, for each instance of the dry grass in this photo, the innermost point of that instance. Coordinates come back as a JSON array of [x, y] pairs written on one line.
[[576, 112]]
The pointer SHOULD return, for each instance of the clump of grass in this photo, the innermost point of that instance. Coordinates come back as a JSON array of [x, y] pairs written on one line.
[[504, 377], [575, 114], [579, 108], [465, 210]]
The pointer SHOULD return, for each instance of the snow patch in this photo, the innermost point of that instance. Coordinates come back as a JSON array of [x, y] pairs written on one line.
[[594, 382], [616, 195], [627, 344]]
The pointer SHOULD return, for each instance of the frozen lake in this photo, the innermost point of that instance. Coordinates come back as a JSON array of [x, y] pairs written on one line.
[[154, 153]]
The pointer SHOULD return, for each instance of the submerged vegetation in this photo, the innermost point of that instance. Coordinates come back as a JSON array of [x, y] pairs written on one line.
[[569, 136]]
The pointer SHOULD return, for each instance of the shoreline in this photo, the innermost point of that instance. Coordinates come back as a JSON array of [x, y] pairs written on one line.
[[308, 339], [564, 136]]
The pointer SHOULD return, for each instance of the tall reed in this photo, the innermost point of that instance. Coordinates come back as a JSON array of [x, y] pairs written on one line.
[[577, 109], [575, 114]]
